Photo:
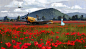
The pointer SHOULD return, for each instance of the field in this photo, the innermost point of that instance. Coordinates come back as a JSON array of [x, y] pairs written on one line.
[[20, 35]]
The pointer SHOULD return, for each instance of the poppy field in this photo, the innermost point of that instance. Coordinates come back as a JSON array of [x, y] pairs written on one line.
[[47, 36]]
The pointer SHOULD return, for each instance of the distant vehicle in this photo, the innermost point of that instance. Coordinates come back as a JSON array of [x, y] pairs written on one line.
[[34, 21], [20, 7]]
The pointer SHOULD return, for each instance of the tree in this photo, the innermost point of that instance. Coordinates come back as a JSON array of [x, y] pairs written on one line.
[[6, 19], [69, 18], [12, 20], [73, 17], [81, 18], [76, 17], [18, 18], [43, 17], [38, 18], [64, 17], [53, 18], [59, 17]]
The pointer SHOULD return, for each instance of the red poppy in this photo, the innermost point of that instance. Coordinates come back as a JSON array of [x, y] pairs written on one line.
[[41, 39], [59, 43], [73, 33], [43, 47], [39, 45], [21, 38], [83, 41], [27, 44], [48, 47], [35, 43], [79, 41], [15, 37], [26, 37], [13, 41], [12, 37], [8, 44], [1, 42], [18, 43], [84, 46], [47, 42], [57, 32], [57, 37], [53, 44], [2, 48], [83, 33], [67, 34], [14, 46], [30, 37], [51, 39], [24, 46], [72, 43]]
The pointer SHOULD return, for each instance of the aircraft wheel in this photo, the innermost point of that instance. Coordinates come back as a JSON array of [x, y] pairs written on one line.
[[27, 22], [34, 23]]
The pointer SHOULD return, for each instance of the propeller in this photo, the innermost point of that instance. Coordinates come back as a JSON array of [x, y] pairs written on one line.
[[26, 17]]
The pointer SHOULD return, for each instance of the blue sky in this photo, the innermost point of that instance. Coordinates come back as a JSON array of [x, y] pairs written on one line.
[[9, 7]]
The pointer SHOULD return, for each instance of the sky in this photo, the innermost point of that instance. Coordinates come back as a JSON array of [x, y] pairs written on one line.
[[10, 7]]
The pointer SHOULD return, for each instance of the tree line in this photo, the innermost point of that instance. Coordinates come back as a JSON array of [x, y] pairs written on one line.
[[6, 19], [74, 17]]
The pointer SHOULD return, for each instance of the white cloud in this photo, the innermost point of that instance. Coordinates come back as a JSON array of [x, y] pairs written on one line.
[[70, 11], [42, 1], [14, 4], [76, 7], [17, 10], [55, 0], [4, 11], [28, 10], [14, 14], [9, 14], [34, 9], [58, 5], [34, 3]]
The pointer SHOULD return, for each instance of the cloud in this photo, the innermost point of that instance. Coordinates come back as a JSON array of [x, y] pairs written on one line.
[[70, 11], [27, 3], [50, 1], [14, 4], [28, 10], [4, 11], [18, 10], [57, 5], [12, 14], [76, 7], [32, 3]]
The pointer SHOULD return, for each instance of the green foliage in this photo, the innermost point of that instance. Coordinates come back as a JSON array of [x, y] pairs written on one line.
[[6, 19], [43, 17], [54, 18], [12, 20], [18, 18]]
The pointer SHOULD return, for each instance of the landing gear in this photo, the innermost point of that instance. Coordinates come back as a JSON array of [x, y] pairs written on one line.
[[27, 22], [35, 23]]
